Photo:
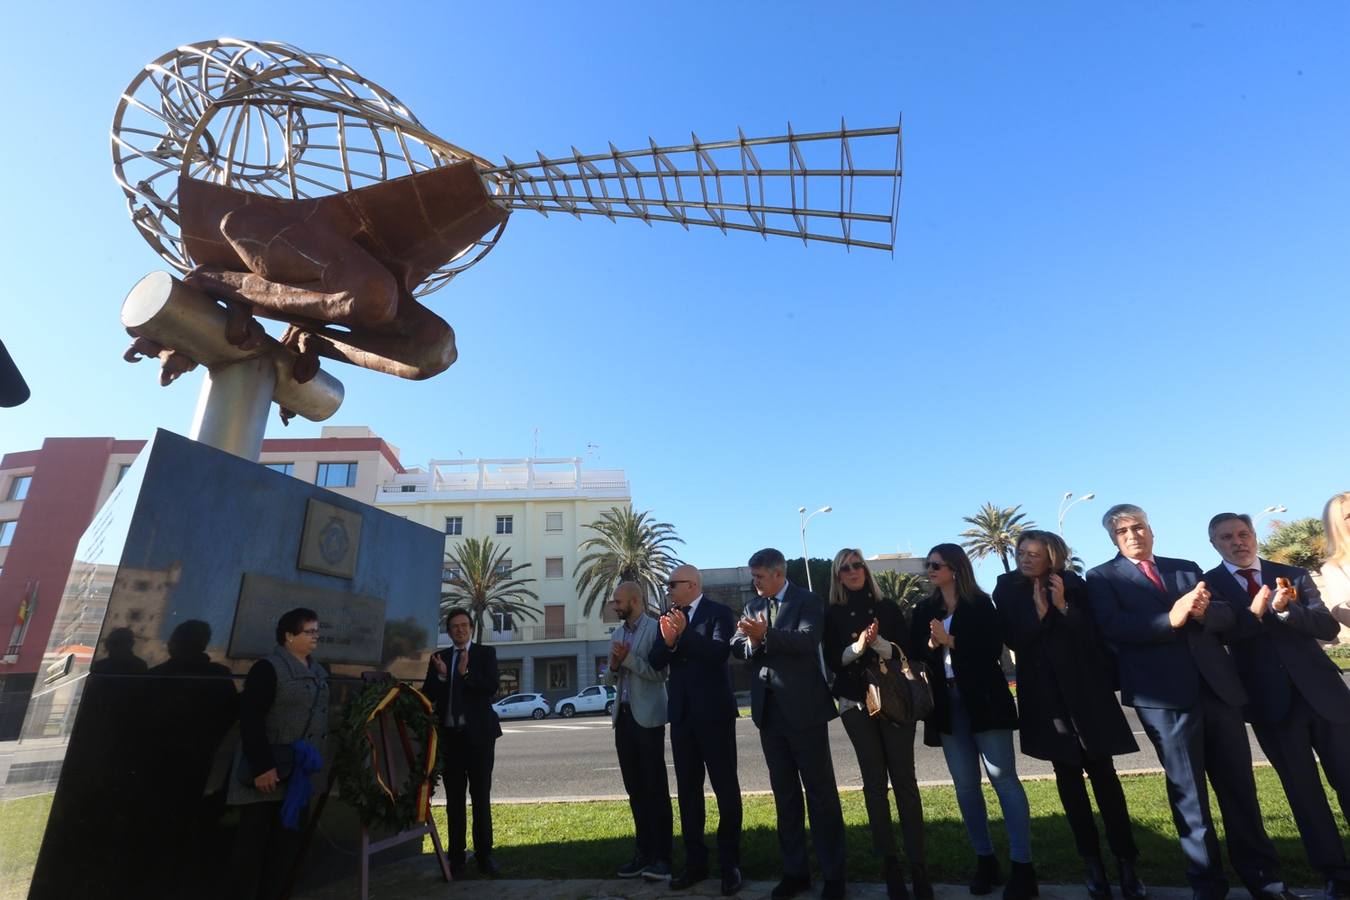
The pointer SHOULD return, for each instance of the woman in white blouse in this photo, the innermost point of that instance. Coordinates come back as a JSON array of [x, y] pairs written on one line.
[[1336, 570]]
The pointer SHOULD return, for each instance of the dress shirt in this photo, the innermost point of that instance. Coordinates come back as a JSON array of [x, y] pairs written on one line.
[[453, 717], [1242, 580]]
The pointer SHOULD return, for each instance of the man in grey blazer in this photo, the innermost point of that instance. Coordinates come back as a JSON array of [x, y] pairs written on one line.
[[639, 722], [779, 639]]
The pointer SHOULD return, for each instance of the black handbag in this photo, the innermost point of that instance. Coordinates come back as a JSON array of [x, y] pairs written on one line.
[[898, 689]]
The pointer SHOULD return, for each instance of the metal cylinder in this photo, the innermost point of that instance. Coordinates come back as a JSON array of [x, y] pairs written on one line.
[[168, 312], [233, 405]]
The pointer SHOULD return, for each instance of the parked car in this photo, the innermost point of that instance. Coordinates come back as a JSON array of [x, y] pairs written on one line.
[[599, 698], [519, 706]]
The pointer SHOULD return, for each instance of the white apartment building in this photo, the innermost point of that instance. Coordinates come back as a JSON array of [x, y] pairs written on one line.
[[536, 509]]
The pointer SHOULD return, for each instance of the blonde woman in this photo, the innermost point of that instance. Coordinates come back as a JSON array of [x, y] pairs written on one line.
[[1336, 570], [861, 626]]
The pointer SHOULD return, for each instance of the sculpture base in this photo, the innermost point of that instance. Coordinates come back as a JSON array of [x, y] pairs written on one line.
[[176, 587]]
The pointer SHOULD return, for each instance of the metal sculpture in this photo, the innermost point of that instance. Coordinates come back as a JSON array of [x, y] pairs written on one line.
[[290, 187]]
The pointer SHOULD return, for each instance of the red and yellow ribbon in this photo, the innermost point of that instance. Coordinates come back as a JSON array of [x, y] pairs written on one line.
[[424, 790]]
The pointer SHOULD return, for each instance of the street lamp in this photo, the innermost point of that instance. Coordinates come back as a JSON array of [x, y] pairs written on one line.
[[806, 560], [1279, 508], [1063, 509]]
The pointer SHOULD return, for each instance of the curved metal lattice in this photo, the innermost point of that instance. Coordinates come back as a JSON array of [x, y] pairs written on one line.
[[268, 118], [272, 119]]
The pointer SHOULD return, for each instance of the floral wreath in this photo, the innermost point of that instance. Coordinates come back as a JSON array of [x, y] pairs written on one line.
[[363, 774]]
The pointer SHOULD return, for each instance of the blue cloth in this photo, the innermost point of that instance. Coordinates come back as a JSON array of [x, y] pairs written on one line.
[[299, 786], [964, 749]]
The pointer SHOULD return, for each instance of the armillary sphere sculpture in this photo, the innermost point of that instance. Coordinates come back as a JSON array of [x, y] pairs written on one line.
[[288, 186]]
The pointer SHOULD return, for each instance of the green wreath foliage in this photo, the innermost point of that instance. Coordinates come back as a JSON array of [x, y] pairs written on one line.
[[352, 759]]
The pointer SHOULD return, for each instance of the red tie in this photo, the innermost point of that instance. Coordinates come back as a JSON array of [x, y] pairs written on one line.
[[1253, 586], [1151, 573]]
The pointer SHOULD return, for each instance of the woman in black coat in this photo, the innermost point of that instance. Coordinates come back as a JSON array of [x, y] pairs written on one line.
[[1066, 695], [861, 627], [958, 633]]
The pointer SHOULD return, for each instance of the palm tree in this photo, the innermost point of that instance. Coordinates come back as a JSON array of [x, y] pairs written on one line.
[[483, 581], [627, 546], [995, 532], [904, 589], [1302, 543]]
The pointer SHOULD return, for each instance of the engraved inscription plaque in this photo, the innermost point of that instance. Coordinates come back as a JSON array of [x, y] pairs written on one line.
[[351, 625]]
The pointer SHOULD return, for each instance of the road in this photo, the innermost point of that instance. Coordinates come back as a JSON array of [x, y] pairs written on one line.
[[574, 758]]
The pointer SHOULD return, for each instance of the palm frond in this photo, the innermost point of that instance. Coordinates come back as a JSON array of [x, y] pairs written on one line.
[[484, 585], [995, 532], [625, 546]]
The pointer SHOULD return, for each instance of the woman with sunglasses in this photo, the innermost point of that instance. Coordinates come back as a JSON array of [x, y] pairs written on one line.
[[860, 627], [957, 631], [1066, 698]]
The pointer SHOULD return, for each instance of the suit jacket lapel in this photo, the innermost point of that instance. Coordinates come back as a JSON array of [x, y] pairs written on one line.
[[700, 614], [1136, 576], [1231, 580]]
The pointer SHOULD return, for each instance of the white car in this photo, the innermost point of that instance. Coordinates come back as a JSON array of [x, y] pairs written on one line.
[[520, 706], [600, 698]]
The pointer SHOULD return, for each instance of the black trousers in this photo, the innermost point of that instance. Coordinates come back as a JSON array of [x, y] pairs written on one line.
[[886, 754], [799, 759], [642, 762], [1210, 739], [1110, 800], [264, 853], [699, 747], [467, 763], [1289, 746]]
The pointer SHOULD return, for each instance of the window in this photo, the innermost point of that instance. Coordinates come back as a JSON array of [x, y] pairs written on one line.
[[504, 568], [18, 488], [553, 567], [505, 525], [591, 692], [501, 621], [283, 468], [408, 489], [557, 675], [454, 524], [337, 475], [450, 573], [553, 521], [7, 532]]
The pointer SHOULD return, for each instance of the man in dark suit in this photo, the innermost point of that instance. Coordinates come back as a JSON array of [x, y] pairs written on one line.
[[1177, 675], [779, 638], [1298, 701], [462, 680], [694, 646]]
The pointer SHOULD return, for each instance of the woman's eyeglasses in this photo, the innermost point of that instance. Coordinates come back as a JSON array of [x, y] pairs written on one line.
[[935, 566], [852, 567]]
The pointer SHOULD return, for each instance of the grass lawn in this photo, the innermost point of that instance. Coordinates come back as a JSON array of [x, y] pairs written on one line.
[[21, 825], [591, 840]]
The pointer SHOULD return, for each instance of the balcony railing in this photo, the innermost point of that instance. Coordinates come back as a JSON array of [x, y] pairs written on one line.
[[535, 633]]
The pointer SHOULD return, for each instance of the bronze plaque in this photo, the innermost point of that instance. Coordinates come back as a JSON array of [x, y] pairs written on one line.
[[351, 626], [331, 538]]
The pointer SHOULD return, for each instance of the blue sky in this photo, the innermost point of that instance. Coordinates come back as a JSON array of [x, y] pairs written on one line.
[[1121, 264]]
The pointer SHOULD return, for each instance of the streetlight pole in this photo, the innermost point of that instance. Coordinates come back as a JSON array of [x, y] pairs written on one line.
[[1064, 509], [1278, 508], [806, 559]]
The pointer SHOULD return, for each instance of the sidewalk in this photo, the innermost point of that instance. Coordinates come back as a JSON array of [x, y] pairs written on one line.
[[419, 879]]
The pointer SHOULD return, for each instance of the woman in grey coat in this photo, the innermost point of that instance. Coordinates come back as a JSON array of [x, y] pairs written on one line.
[[283, 724]]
